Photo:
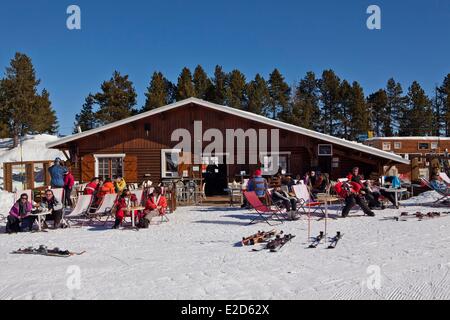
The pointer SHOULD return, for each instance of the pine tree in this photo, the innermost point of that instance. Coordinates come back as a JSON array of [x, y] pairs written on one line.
[[396, 107], [343, 116], [381, 119], [86, 118], [359, 114], [330, 98], [280, 93], [419, 120], [23, 110], [444, 100], [305, 105], [202, 84], [44, 119], [258, 95], [116, 100], [185, 87], [236, 95], [219, 86], [159, 92]]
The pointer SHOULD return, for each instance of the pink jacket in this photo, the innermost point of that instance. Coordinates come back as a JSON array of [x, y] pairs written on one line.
[[15, 209], [69, 180]]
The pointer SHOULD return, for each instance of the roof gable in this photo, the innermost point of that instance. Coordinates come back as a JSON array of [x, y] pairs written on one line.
[[240, 113]]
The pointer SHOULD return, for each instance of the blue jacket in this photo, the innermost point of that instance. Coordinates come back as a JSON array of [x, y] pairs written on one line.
[[259, 185], [57, 175]]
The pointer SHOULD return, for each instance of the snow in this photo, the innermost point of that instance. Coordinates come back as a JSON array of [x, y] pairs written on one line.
[[33, 149], [195, 256]]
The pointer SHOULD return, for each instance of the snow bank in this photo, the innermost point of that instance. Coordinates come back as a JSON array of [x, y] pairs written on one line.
[[33, 149], [6, 200]]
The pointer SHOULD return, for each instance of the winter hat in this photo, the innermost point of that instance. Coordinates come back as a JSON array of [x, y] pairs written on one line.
[[258, 172]]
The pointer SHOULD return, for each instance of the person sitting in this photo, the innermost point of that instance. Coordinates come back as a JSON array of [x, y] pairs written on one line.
[[155, 206], [20, 218], [51, 203], [310, 179], [56, 172], [106, 188], [350, 191], [258, 184], [320, 185], [289, 182], [125, 200], [92, 187], [289, 203], [120, 184], [438, 184]]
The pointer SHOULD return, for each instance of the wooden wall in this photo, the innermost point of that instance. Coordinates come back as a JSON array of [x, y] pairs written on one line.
[[143, 149]]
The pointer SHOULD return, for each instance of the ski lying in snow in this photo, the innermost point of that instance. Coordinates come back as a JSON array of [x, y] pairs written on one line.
[[42, 250], [259, 237], [404, 216], [279, 242], [316, 241], [334, 241]]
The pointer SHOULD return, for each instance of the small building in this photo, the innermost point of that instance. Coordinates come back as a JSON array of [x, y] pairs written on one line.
[[419, 150], [143, 147]]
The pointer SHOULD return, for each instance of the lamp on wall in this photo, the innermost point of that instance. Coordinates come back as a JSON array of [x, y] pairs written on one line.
[[147, 128]]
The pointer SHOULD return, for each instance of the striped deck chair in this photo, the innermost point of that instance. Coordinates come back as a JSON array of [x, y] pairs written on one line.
[[59, 194], [304, 199], [81, 210], [264, 212], [105, 208], [443, 193]]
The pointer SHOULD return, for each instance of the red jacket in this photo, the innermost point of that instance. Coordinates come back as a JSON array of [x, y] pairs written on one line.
[[121, 202], [69, 181], [342, 192], [90, 188], [152, 204]]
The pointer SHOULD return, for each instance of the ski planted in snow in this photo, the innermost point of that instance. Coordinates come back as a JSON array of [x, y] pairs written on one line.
[[316, 241], [42, 250], [334, 241]]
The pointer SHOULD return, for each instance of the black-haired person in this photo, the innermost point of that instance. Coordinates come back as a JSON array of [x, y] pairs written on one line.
[[51, 203], [20, 218]]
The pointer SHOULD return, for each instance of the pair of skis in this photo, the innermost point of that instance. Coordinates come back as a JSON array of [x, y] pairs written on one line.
[[404, 216], [44, 251], [259, 237], [333, 241], [276, 244]]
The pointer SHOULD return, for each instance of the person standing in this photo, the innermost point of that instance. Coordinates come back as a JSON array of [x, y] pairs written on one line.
[[69, 181], [351, 193], [57, 172]]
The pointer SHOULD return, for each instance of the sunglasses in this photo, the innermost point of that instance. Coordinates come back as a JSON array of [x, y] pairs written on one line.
[[24, 198]]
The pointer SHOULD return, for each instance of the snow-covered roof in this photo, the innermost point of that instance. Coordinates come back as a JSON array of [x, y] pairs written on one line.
[[409, 138], [243, 114]]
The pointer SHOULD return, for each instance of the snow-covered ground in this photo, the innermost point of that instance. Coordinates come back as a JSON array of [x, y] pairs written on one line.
[[195, 256], [32, 149]]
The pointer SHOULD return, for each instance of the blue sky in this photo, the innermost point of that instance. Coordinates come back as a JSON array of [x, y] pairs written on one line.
[[138, 37]]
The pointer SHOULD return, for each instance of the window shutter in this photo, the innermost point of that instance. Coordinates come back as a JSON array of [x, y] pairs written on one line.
[[130, 168], [87, 168]]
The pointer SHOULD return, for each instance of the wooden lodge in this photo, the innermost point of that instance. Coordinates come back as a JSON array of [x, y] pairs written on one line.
[[140, 148]]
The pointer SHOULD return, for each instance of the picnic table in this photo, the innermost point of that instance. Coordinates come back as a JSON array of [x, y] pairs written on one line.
[[132, 211], [396, 191], [41, 217]]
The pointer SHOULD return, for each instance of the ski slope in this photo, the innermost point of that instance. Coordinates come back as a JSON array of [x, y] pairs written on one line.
[[196, 256]]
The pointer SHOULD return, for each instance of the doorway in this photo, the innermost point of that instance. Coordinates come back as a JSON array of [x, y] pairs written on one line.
[[215, 175]]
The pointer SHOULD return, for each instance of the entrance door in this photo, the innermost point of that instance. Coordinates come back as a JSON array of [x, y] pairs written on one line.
[[215, 175]]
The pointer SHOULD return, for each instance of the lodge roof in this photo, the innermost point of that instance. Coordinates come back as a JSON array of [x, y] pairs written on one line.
[[240, 113]]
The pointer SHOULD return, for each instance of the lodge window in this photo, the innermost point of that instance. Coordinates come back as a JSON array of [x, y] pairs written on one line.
[[424, 146], [397, 145], [272, 163], [108, 166], [170, 160], [434, 145], [325, 150], [386, 146]]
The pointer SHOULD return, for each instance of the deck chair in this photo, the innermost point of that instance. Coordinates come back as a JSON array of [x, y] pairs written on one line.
[[81, 210], [444, 177], [139, 193], [444, 194], [105, 208], [59, 194], [28, 192], [304, 199], [264, 212]]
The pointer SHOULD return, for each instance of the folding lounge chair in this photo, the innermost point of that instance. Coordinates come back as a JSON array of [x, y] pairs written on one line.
[[264, 212], [444, 177], [81, 210], [139, 193], [444, 194], [59, 194], [305, 201], [105, 208]]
